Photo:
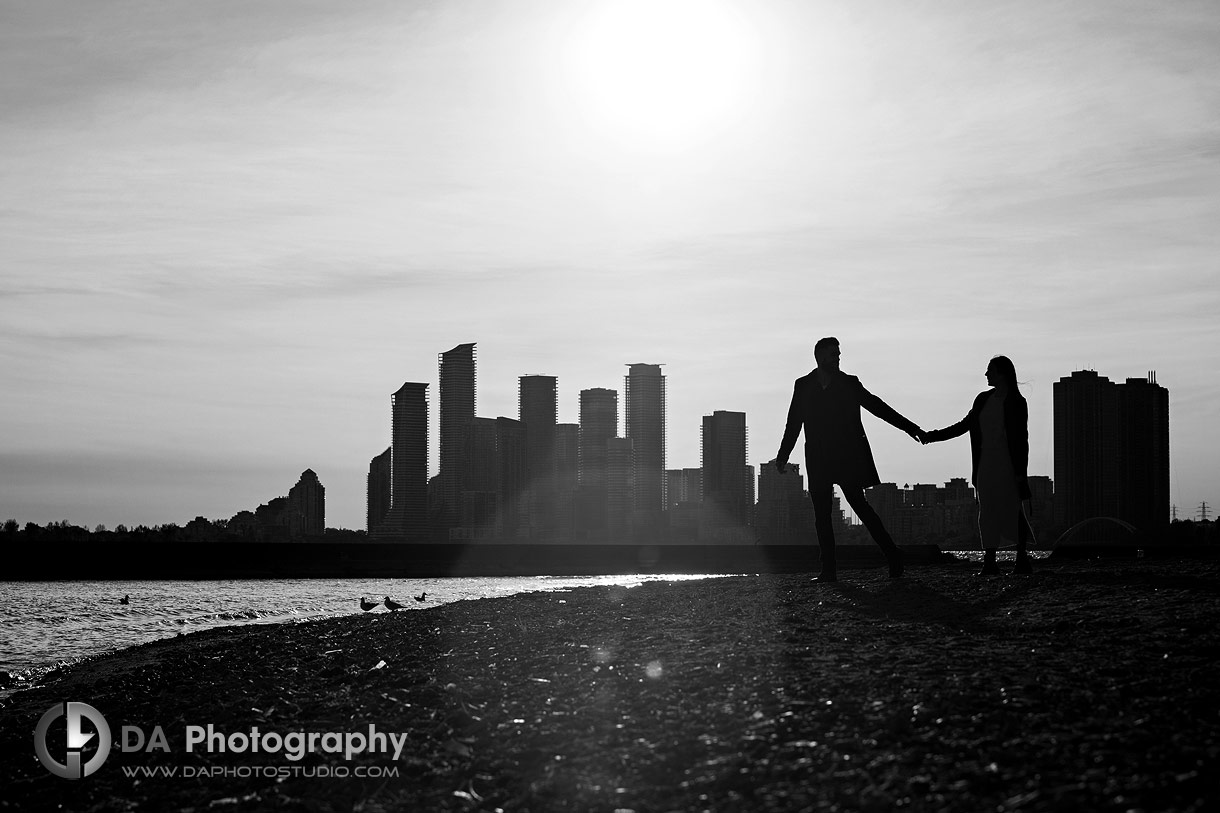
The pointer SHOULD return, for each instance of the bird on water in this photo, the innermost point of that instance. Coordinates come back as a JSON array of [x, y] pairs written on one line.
[[125, 599], [421, 596]]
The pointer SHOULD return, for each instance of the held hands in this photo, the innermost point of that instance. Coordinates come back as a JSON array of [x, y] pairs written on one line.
[[919, 435]]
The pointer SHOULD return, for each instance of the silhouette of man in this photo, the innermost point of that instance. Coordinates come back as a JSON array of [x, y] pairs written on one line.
[[826, 404]]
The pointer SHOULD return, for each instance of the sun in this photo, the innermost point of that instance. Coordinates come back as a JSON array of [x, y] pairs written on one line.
[[661, 72]]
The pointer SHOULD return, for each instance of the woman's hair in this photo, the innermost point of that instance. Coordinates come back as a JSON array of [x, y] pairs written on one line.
[[1003, 367]]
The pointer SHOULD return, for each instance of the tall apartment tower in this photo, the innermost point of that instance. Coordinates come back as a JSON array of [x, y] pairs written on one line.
[[1111, 450], [538, 411], [306, 508], [378, 504], [598, 423], [567, 457], [478, 501], [567, 467], [1086, 447], [513, 476], [1143, 413], [728, 488], [408, 512], [645, 389], [620, 487], [683, 485], [457, 391]]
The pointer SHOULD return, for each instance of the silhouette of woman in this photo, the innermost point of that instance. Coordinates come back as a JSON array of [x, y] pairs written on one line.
[[998, 423]]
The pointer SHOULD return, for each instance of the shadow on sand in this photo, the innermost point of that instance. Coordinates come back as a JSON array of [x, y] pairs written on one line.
[[913, 601]]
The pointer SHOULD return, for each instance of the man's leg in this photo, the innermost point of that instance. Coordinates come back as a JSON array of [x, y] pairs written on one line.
[[855, 498], [821, 496]]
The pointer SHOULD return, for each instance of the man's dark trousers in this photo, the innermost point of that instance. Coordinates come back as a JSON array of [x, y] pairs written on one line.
[[822, 497]]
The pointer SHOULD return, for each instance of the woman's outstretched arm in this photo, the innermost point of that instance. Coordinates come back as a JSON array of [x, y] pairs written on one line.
[[956, 430]]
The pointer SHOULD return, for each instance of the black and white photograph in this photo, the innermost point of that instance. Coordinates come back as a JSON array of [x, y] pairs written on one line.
[[624, 406]]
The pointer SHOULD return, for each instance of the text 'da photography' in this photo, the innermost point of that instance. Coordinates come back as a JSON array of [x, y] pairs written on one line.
[[73, 740]]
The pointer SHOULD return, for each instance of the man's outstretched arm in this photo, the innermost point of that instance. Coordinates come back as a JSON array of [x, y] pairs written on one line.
[[888, 414], [792, 430]]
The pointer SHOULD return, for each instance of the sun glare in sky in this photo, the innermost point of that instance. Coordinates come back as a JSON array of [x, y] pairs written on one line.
[[661, 72]]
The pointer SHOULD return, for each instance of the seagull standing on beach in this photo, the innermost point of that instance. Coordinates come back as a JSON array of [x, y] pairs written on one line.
[[367, 605], [392, 605], [421, 596]]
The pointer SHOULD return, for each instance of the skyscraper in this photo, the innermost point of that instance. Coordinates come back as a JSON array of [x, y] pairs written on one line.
[[728, 492], [1086, 447], [567, 456], [598, 423], [645, 389], [408, 512], [683, 485], [513, 479], [1143, 414], [1111, 450], [478, 461], [478, 501], [378, 490], [306, 508], [620, 488], [538, 410], [457, 389]]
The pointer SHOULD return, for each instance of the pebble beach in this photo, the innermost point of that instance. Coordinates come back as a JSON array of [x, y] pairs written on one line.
[[1091, 685]]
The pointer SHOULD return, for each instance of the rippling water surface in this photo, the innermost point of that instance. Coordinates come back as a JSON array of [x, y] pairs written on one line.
[[45, 623]]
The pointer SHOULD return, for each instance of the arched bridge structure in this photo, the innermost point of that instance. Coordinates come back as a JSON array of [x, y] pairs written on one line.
[[1067, 535]]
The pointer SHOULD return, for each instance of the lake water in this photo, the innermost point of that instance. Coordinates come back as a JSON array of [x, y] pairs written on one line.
[[43, 624]]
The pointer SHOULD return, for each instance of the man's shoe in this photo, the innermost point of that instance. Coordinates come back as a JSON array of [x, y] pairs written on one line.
[[990, 568]]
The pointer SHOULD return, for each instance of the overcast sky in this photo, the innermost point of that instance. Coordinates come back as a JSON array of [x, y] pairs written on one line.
[[229, 230]]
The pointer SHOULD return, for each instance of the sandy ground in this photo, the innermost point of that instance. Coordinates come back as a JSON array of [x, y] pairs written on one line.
[[1088, 686]]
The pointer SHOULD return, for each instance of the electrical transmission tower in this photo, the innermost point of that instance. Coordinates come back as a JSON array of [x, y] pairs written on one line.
[[1203, 511]]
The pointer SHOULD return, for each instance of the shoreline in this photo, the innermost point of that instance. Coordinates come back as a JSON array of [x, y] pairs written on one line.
[[1091, 685], [157, 610], [254, 560]]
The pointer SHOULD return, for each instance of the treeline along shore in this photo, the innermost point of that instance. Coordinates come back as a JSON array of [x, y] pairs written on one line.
[[77, 560], [1090, 685], [200, 550]]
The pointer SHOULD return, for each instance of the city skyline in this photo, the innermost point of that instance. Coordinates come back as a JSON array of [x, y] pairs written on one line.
[[1126, 428], [226, 235], [1111, 461]]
